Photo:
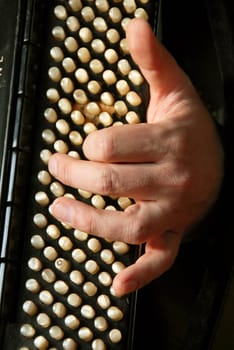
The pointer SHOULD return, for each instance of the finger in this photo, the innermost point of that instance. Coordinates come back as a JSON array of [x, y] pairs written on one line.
[[140, 181], [131, 180], [127, 143], [133, 226], [156, 63], [170, 88], [149, 266]]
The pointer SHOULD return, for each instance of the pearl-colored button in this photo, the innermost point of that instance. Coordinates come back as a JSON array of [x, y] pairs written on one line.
[[41, 343], [59, 310], [27, 331], [85, 334]]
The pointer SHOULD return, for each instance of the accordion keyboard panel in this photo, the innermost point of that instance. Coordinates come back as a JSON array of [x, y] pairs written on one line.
[[87, 81]]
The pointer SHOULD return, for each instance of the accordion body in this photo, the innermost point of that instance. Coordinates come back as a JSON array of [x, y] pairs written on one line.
[[65, 71]]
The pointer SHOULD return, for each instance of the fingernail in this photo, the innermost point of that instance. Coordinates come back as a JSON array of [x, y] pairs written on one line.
[[52, 165], [60, 211], [125, 287]]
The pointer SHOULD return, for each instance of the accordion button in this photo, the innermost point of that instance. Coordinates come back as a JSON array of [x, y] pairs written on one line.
[[103, 301], [50, 253], [115, 14], [79, 255], [117, 267], [53, 231], [141, 13], [94, 87], [48, 275], [115, 335], [65, 243], [76, 277], [56, 332], [69, 64], [105, 278], [129, 5], [94, 245], [32, 285], [37, 242], [73, 23], [58, 33], [89, 127], [59, 309], [101, 323], [90, 288], [115, 313], [27, 331], [92, 267], [60, 12], [87, 13], [30, 308], [132, 117], [46, 297], [120, 247], [113, 36], [43, 320], [67, 85], [42, 198], [62, 265], [84, 55], [105, 119], [124, 66], [102, 5], [87, 311], [74, 300], [85, 34], [69, 344], [85, 334], [45, 155], [35, 264], [41, 343], [72, 322], [98, 344], [124, 202], [107, 256], [61, 287], [100, 24], [50, 114], [75, 5]]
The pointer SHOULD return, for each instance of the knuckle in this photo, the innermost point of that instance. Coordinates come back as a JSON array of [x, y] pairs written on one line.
[[136, 230], [59, 169], [139, 232], [108, 181], [67, 174], [83, 218], [106, 148], [90, 224], [186, 179], [67, 171], [181, 176]]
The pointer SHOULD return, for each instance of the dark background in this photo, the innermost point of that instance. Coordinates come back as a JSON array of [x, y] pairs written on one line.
[[192, 305]]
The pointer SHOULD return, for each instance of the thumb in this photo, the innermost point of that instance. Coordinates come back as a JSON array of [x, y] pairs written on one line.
[[156, 64]]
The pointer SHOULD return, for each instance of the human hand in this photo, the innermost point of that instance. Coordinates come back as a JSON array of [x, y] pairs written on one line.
[[172, 167]]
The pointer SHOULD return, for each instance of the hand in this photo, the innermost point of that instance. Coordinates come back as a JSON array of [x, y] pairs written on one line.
[[172, 166]]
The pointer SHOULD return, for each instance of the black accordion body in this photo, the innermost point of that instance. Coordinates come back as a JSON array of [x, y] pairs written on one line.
[[65, 71]]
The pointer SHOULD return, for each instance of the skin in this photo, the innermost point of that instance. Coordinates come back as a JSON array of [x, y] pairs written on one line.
[[172, 167]]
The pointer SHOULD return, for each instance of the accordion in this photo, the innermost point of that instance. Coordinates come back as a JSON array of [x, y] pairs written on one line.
[[58, 60]]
